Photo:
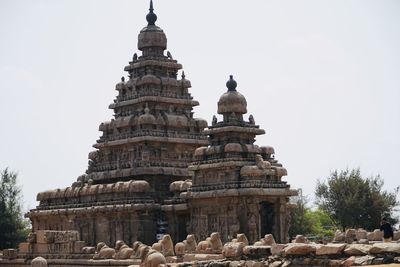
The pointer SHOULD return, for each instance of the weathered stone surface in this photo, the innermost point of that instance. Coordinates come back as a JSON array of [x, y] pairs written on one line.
[[10, 253], [25, 247], [339, 236], [361, 234], [278, 249], [257, 250], [350, 236], [201, 257], [299, 249], [357, 249], [378, 235], [233, 249], [348, 262], [363, 260], [39, 262], [379, 248], [396, 235], [330, 249]]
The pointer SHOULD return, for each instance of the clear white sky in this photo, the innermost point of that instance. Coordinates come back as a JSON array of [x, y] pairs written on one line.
[[321, 77]]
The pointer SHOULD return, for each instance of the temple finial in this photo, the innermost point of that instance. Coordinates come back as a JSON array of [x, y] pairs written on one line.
[[151, 17], [231, 84]]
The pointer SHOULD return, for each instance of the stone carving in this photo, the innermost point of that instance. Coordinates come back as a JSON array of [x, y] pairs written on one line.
[[122, 250], [234, 249], [103, 252], [212, 244], [268, 240], [39, 262], [167, 247], [139, 249], [260, 169], [186, 246], [31, 237], [301, 239], [88, 250], [152, 258]]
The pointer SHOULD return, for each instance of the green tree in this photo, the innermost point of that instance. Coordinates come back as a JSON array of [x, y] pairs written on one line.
[[13, 227], [304, 221], [353, 201]]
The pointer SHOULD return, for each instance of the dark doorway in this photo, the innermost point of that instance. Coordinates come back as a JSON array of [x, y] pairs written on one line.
[[267, 218], [182, 224]]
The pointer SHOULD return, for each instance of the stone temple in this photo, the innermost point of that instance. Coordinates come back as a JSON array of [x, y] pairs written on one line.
[[157, 169]]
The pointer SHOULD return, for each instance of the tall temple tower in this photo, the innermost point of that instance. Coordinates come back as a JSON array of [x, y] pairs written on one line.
[[147, 146], [156, 170], [237, 186]]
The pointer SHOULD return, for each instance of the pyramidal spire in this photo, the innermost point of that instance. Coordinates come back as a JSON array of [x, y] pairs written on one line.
[[151, 17]]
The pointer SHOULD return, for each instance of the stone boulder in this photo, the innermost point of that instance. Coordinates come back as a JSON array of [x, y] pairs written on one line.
[[329, 249], [380, 248], [339, 236], [396, 235], [299, 249], [357, 249], [378, 235], [350, 236], [361, 234]]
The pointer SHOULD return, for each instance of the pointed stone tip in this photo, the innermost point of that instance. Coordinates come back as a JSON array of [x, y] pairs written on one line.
[[151, 17], [231, 84]]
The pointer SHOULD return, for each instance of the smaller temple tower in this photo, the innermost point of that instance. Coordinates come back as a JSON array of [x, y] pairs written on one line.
[[237, 186]]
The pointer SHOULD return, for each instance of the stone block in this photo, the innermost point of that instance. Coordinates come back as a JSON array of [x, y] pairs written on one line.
[[41, 248], [258, 251], [202, 257], [361, 234], [330, 249], [10, 253], [370, 236], [357, 249], [65, 236], [380, 248], [299, 249], [44, 237], [25, 247], [378, 235]]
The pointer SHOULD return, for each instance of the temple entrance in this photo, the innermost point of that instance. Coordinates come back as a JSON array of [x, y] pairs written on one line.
[[182, 224], [267, 218]]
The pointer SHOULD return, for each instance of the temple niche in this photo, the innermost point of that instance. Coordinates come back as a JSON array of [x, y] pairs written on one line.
[[156, 170], [237, 186]]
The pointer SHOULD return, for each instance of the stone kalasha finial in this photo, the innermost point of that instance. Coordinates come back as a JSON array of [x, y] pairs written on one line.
[[231, 84], [151, 17]]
